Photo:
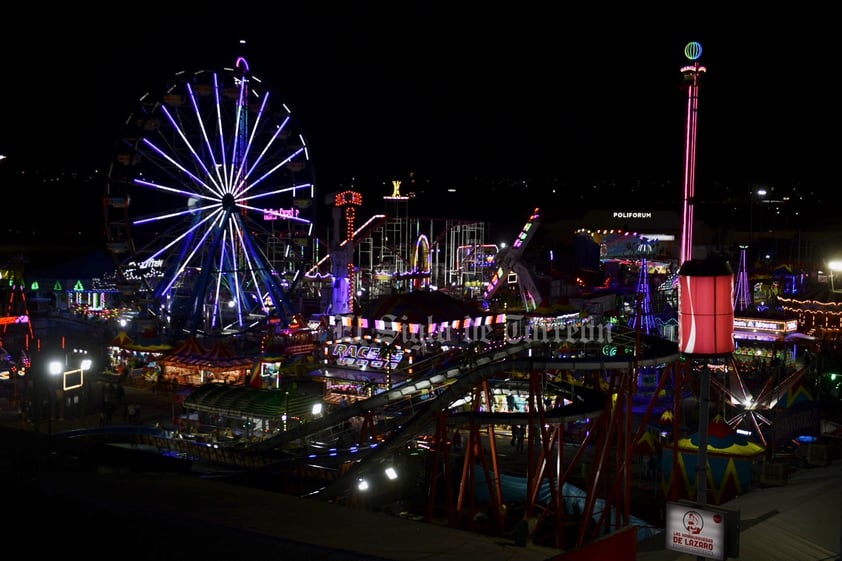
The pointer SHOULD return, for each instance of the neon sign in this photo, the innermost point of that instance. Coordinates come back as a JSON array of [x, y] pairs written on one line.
[[365, 356], [693, 50], [272, 214], [766, 325], [618, 214]]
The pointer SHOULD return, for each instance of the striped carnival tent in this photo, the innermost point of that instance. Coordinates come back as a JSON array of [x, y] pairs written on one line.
[[730, 456]]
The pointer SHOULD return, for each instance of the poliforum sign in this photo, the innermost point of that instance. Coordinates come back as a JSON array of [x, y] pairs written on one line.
[[618, 214]]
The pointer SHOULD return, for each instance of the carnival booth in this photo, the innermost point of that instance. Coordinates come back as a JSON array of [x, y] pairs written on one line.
[[191, 364], [380, 348], [223, 366], [181, 364], [731, 464], [133, 360], [288, 353]]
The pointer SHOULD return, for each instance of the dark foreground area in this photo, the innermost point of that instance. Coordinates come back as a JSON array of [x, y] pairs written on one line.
[[137, 506], [162, 511]]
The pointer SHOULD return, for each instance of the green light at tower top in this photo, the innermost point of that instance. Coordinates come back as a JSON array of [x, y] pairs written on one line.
[[693, 50]]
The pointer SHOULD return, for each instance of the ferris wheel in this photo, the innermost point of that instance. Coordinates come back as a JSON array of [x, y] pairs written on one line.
[[210, 204]]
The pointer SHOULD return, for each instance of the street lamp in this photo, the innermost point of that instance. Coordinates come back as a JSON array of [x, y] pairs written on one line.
[[71, 379], [835, 267]]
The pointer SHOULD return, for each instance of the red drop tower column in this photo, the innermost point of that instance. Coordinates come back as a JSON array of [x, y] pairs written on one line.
[[691, 74]]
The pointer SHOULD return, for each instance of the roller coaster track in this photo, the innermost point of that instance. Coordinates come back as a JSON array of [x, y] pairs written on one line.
[[416, 404], [308, 460], [443, 389], [584, 403]]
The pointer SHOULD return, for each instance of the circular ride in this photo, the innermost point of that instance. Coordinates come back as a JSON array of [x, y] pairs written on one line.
[[210, 205]]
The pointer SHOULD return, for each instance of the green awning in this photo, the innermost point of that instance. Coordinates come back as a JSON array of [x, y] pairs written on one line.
[[242, 401]]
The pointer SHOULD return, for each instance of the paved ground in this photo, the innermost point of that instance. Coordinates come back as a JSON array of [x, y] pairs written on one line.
[[154, 407], [798, 521]]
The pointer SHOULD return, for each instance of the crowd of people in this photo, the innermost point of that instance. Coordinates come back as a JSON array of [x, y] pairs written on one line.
[[114, 401]]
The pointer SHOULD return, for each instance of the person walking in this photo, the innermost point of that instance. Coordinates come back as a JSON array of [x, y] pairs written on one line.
[[457, 440], [520, 434]]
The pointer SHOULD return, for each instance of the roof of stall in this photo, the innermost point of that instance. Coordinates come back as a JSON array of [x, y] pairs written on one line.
[[242, 401], [420, 307]]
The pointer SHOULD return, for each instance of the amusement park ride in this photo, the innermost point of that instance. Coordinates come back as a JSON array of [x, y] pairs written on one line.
[[508, 262], [210, 207], [210, 204], [17, 333]]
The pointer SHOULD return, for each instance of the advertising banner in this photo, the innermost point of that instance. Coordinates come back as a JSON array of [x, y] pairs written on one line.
[[701, 531]]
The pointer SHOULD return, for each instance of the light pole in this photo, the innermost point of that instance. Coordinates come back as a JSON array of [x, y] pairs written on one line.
[[56, 369], [69, 380], [755, 195], [835, 267], [761, 196]]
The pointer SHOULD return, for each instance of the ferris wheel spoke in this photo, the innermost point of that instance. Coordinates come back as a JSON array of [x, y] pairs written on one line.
[[237, 148], [260, 264], [240, 160], [193, 253], [252, 184], [249, 254], [220, 134], [291, 189], [191, 92], [184, 235], [253, 134], [174, 190], [279, 132], [195, 158], [182, 168], [252, 271]]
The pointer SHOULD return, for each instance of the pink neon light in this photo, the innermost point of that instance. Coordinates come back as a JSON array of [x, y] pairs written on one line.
[[691, 127]]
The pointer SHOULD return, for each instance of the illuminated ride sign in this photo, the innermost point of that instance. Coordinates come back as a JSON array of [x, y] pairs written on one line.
[[775, 326], [274, 214], [148, 269], [753, 329], [366, 356], [9, 320]]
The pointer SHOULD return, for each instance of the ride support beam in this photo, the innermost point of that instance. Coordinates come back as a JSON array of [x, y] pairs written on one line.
[[441, 469]]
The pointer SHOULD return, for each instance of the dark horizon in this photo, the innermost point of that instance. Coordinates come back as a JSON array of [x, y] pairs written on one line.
[[450, 96]]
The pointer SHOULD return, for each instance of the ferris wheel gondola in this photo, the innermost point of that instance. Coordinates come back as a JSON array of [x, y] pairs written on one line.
[[210, 202]]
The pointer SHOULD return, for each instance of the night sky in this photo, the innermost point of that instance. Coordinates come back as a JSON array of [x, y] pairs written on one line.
[[458, 98]]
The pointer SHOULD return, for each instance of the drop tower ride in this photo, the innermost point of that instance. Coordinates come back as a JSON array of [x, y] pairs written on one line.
[[692, 74]]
